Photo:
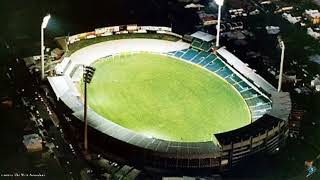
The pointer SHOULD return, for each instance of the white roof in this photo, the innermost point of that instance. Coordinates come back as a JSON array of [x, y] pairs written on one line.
[[245, 70], [203, 36], [192, 5], [313, 13], [61, 85]]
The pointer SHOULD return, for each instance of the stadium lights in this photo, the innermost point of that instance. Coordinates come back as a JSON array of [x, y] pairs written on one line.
[[282, 46], [220, 4], [88, 73], [45, 21], [43, 26]]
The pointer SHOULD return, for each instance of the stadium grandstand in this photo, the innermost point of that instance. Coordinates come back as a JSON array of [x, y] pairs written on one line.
[[202, 41], [258, 103]]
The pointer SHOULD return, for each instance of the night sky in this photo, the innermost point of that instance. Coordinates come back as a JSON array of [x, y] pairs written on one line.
[[22, 19]]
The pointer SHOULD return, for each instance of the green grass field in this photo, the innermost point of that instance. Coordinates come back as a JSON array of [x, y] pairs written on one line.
[[165, 98]]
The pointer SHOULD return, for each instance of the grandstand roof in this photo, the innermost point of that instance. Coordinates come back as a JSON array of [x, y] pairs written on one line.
[[62, 84], [281, 105], [246, 71], [192, 5], [170, 148], [281, 101], [203, 36]]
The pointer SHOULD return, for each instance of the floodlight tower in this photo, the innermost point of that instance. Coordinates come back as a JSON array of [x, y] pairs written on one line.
[[43, 26], [220, 4], [88, 73], [282, 46]]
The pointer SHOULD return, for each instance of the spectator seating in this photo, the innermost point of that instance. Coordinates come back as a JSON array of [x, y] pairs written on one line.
[[257, 103], [206, 46], [190, 54], [201, 45], [196, 44], [208, 59], [201, 56]]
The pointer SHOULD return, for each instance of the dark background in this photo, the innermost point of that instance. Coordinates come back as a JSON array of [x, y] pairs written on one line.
[[21, 19]]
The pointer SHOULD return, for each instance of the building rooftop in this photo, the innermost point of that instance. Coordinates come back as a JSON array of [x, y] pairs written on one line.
[[203, 36], [313, 13]]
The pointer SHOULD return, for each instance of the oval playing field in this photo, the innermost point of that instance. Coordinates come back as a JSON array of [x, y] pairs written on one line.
[[165, 98]]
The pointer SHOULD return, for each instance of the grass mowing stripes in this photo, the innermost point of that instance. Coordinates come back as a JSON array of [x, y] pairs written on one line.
[[166, 98]]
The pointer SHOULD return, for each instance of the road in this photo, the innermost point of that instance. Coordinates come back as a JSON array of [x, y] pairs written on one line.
[[69, 159], [38, 109]]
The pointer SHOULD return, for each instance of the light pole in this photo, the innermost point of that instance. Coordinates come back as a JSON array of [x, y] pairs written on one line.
[[282, 46], [88, 73], [43, 26], [220, 4]]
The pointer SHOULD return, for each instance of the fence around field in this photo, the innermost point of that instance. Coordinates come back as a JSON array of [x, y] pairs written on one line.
[[78, 41]]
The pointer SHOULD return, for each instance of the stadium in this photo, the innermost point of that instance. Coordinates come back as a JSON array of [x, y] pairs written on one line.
[[160, 100]]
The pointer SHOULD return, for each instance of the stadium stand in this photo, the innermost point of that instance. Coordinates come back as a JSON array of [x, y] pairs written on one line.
[[132, 174], [196, 44], [202, 41], [208, 59], [178, 54], [229, 79], [63, 66], [206, 46], [215, 66], [189, 55], [108, 48], [236, 79], [224, 72], [201, 56], [76, 73], [201, 45], [122, 172], [246, 71], [258, 104]]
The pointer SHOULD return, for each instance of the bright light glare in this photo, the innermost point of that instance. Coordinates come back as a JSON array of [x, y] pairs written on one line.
[[149, 136], [219, 2], [46, 20]]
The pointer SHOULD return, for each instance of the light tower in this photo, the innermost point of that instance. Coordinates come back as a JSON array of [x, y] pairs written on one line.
[[43, 26], [88, 73], [282, 46], [220, 4]]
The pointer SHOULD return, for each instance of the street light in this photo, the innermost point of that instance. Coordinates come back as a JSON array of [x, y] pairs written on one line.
[[282, 46], [88, 73], [220, 4], [43, 26]]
